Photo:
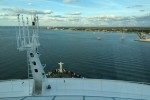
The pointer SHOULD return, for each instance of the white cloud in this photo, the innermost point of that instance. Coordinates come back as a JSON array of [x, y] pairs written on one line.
[[74, 19], [69, 1], [59, 16], [27, 11], [109, 18], [89, 21], [30, 4], [96, 21], [4, 14], [10, 18], [74, 13]]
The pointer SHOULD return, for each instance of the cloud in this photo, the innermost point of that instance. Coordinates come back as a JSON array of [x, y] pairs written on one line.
[[143, 18], [89, 21], [4, 14], [105, 18], [74, 13], [30, 4], [141, 10], [74, 19], [118, 21], [53, 19], [58, 16], [10, 18], [69, 1], [59, 19], [25, 11], [98, 21], [136, 6]]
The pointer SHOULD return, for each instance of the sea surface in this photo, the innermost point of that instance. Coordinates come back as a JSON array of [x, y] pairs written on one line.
[[81, 52]]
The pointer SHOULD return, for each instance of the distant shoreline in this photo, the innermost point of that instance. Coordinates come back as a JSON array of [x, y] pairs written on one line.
[[102, 29], [98, 29]]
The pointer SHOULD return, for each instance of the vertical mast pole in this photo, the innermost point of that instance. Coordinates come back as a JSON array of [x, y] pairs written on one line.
[[37, 19], [34, 31], [23, 30], [18, 35], [28, 31]]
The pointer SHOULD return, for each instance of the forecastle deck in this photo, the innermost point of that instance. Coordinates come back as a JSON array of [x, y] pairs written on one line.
[[77, 88]]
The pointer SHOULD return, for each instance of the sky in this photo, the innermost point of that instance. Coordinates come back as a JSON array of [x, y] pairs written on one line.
[[78, 13]]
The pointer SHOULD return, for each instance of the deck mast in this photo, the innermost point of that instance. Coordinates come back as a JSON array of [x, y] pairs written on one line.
[[29, 42]]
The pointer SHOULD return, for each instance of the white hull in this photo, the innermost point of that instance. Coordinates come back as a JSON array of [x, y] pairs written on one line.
[[67, 87]]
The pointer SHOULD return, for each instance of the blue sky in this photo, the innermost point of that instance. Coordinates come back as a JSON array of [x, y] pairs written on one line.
[[96, 13]]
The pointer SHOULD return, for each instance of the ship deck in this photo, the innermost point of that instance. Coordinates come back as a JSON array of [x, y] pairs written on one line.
[[76, 89]]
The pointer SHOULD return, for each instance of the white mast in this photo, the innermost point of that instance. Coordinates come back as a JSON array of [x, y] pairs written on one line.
[[23, 31], [29, 42], [18, 33], [28, 30]]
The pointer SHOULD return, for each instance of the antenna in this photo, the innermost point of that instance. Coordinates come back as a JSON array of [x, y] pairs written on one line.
[[25, 40]]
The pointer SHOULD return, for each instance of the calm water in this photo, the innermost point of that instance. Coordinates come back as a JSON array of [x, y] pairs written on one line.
[[109, 58]]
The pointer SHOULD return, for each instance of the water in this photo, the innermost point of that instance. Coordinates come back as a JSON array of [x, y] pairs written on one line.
[[108, 58]]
